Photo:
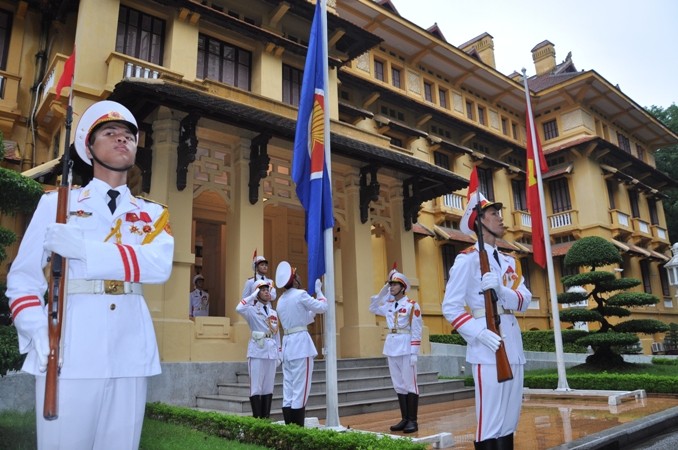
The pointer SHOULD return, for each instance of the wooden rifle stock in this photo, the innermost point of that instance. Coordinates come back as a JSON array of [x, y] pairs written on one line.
[[504, 372], [56, 297]]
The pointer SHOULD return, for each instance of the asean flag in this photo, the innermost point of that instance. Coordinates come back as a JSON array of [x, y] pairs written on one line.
[[311, 150]]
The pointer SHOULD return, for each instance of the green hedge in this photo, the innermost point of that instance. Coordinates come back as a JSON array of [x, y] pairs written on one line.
[[617, 382], [533, 341], [271, 435]]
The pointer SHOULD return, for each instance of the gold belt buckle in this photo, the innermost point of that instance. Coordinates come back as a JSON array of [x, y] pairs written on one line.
[[114, 287], [394, 330]]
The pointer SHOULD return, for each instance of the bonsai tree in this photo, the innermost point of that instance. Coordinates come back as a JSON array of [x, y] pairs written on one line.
[[671, 340], [610, 297], [19, 195]]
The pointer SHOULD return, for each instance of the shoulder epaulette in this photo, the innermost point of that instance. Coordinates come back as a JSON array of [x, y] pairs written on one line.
[[150, 201], [409, 300], [53, 189], [470, 249]]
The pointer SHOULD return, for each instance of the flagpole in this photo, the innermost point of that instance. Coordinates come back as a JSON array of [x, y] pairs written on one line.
[[331, 383], [560, 360]]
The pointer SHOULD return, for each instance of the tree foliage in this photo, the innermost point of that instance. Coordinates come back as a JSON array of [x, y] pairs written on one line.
[[18, 194], [607, 297], [667, 161]]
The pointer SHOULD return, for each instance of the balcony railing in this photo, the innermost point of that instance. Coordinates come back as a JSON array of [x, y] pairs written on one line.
[[641, 226], [9, 91], [659, 232], [124, 66], [562, 219], [454, 201]]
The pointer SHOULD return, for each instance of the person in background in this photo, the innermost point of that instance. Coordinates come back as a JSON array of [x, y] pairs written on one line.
[[296, 309], [403, 339], [260, 268], [199, 298], [264, 352], [114, 243], [497, 404]]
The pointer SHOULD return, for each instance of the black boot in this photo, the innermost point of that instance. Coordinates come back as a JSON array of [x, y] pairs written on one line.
[[487, 444], [255, 402], [266, 401], [505, 442], [412, 407], [299, 416], [402, 401], [287, 414]]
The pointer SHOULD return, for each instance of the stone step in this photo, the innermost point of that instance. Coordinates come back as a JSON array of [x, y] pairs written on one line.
[[241, 403], [353, 408], [343, 375], [363, 385], [319, 384]]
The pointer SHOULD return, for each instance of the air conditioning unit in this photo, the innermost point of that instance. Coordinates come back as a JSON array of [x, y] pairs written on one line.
[[657, 347]]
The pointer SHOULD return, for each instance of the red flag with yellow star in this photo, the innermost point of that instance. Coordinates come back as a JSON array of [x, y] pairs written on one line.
[[534, 206]]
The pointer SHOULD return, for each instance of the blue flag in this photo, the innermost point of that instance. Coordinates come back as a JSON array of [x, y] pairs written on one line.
[[312, 148]]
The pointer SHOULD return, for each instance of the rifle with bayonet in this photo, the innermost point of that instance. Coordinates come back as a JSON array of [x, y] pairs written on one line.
[[56, 297], [492, 317]]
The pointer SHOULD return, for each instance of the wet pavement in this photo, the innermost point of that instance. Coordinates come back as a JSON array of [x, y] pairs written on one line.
[[547, 423]]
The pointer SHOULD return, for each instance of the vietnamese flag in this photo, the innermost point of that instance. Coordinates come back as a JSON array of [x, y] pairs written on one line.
[[534, 205], [472, 183], [66, 79]]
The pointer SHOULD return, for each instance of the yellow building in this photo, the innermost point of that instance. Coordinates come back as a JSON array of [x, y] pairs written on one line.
[[215, 87]]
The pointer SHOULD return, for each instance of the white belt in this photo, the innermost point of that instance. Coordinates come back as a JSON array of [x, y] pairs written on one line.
[[261, 335], [110, 287], [295, 330], [398, 331], [480, 312]]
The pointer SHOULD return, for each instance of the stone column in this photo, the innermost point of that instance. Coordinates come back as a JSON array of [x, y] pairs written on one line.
[[169, 302], [360, 336], [401, 248]]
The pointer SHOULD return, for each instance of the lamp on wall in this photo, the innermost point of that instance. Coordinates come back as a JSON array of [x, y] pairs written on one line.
[[672, 266]]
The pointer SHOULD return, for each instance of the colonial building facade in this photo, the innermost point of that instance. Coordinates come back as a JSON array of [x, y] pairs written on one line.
[[215, 87]]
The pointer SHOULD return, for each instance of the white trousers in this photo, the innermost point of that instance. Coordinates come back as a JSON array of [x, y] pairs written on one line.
[[297, 374], [403, 374], [94, 414], [497, 404], [262, 375]]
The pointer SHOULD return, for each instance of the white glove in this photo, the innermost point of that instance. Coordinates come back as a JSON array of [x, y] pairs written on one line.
[[413, 360], [490, 281], [279, 360], [489, 339], [41, 345], [253, 296], [66, 240], [32, 323], [318, 291], [385, 290]]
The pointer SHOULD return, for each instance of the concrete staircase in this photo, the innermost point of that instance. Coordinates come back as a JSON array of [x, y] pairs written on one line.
[[364, 386]]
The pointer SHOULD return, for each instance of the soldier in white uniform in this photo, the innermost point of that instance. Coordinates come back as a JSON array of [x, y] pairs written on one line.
[[297, 309], [403, 339], [114, 244], [260, 268], [264, 352], [199, 299], [497, 404]]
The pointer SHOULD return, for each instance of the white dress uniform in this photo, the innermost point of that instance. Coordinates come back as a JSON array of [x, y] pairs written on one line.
[[248, 287], [200, 303], [404, 325], [296, 309], [263, 349], [107, 337], [497, 404]]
